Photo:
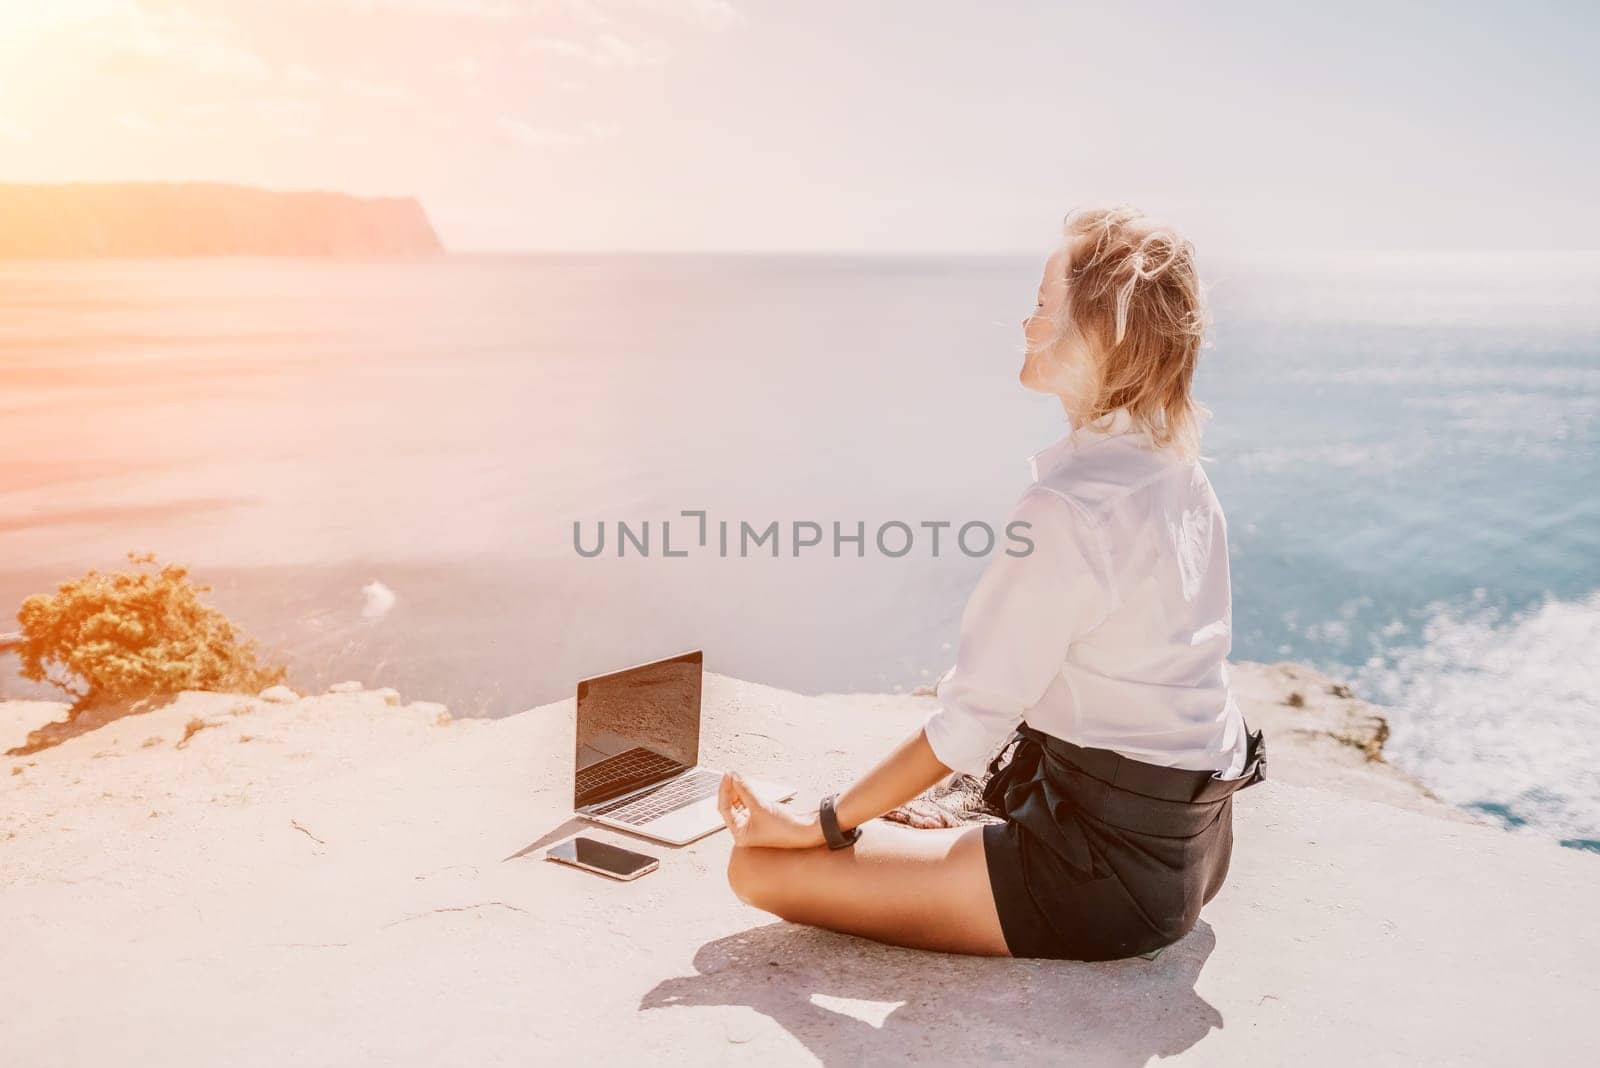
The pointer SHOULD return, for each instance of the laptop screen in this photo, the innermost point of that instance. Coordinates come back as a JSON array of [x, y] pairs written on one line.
[[636, 727]]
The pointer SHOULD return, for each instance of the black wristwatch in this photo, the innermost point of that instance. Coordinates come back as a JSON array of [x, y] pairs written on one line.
[[831, 833]]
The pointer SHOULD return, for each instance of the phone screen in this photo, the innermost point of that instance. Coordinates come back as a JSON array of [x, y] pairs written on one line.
[[613, 860]]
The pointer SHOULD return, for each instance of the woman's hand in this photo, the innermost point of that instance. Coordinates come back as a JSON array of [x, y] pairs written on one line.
[[755, 821]]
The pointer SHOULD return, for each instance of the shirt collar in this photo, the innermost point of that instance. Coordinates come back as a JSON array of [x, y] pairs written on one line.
[[1118, 423]]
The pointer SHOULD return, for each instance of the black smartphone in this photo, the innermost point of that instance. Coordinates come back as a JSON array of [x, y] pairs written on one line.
[[610, 860]]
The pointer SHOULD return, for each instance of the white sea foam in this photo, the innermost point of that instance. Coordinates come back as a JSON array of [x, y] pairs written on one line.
[[1440, 374], [1501, 712], [376, 600], [1278, 459]]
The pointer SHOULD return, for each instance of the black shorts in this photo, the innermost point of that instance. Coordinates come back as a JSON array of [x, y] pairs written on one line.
[[1103, 857]]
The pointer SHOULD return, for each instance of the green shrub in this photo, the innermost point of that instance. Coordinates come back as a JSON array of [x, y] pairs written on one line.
[[127, 636]]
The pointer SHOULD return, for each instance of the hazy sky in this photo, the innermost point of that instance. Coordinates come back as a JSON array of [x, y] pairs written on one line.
[[815, 124]]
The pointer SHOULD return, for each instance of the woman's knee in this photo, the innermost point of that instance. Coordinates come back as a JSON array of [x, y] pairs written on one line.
[[746, 876], [758, 877]]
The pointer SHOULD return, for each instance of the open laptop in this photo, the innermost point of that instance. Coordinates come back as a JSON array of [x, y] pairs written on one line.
[[639, 753]]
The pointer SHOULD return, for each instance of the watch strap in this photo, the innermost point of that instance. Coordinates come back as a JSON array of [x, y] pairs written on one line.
[[829, 818]]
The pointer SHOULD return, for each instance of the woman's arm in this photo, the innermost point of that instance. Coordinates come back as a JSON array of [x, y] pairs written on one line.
[[1024, 614], [907, 771]]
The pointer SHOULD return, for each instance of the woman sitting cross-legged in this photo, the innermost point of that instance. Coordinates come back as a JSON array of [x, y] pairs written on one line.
[[1100, 656]]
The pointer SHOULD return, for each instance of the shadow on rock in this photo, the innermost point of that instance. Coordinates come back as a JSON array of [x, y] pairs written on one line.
[[82, 720], [854, 1002]]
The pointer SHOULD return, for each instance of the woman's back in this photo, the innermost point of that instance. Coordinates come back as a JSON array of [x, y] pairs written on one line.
[[1149, 680]]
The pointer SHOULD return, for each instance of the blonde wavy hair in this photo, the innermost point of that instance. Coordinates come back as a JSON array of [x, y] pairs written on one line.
[[1134, 300]]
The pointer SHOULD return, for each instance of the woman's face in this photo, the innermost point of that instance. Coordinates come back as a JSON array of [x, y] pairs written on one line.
[[1061, 367]]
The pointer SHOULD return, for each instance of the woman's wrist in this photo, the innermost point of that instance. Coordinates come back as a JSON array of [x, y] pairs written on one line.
[[835, 833], [814, 835]]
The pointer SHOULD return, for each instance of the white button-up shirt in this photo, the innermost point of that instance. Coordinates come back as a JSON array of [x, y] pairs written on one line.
[[1114, 631]]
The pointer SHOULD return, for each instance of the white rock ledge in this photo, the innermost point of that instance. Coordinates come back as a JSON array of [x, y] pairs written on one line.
[[339, 881]]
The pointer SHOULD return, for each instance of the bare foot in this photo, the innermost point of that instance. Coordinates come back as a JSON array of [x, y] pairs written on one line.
[[923, 813], [954, 805]]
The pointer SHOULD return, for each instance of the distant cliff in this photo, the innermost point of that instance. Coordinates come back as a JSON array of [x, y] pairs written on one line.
[[205, 219]]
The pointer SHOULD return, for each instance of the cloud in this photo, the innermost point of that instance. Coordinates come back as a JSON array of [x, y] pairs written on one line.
[[606, 52], [15, 18], [518, 132], [374, 90], [710, 14], [591, 13], [178, 40], [467, 68], [493, 9], [297, 117], [134, 122], [125, 35], [303, 77], [203, 109]]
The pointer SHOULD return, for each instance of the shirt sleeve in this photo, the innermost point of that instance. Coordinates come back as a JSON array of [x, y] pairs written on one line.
[[1025, 612]]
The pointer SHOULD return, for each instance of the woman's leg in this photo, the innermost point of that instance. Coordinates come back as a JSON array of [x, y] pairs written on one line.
[[922, 889]]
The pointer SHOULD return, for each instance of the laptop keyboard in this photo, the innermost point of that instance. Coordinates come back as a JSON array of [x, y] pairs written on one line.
[[621, 773], [668, 797]]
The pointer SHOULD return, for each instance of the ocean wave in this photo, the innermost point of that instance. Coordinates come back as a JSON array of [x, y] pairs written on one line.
[[1348, 455], [1498, 711], [376, 600], [1436, 374]]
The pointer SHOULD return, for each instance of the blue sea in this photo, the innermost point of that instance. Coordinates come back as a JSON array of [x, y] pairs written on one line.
[[379, 466]]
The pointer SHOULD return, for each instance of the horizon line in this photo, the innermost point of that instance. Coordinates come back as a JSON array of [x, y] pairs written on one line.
[[1005, 253]]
